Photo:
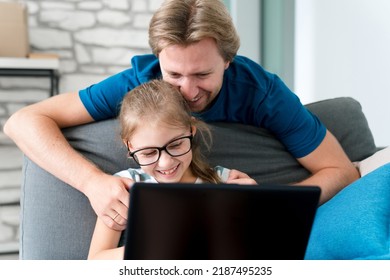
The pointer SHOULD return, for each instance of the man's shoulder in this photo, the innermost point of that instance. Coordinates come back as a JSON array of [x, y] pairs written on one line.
[[243, 61], [144, 61], [244, 70], [144, 58], [146, 67]]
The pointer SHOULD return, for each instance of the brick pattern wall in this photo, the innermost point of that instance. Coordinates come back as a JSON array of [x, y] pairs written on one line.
[[94, 39]]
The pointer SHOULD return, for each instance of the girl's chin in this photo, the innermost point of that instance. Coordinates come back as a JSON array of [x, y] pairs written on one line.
[[165, 180]]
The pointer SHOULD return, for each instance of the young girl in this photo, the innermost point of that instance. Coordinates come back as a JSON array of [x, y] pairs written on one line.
[[164, 139]]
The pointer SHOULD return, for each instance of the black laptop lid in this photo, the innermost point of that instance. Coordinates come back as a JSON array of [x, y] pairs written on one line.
[[207, 221]]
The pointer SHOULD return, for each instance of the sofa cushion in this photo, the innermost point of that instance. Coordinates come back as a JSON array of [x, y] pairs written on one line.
[[373, 162], [355, 223], [344, 117]]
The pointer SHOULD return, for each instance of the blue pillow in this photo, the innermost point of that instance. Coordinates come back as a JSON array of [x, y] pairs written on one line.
[[354, 224]]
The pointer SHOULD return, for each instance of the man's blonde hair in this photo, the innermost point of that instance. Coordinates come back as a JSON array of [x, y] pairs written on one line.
[[184, 22]]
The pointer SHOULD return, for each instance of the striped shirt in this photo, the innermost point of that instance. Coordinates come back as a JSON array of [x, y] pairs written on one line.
[[138, 175]]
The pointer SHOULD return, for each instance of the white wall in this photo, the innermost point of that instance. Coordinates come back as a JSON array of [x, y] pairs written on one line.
[[342, 48], [246, 18]]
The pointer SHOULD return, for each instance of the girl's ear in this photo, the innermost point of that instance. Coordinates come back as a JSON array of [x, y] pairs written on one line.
[[193, 130], [126, 143]]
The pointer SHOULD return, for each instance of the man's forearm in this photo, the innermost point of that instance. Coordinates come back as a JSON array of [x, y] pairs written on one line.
[[331, 181], [36, 129], [330, 167], [43, 142]]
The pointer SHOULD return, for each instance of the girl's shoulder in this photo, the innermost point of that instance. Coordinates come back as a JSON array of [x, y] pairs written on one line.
[[222, 172], [137, 175]]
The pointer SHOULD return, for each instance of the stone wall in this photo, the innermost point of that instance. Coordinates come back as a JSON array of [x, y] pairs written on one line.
[[94, 39]]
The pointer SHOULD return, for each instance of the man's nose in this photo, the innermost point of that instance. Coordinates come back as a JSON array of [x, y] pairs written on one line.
[[189, 88]]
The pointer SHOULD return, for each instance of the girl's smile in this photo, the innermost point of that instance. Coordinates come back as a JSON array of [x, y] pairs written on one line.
[[169, 172]]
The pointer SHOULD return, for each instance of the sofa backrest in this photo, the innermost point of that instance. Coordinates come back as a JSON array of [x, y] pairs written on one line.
[[249, 149]]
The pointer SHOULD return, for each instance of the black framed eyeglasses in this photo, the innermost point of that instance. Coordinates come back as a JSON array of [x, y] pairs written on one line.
[[177, 147]]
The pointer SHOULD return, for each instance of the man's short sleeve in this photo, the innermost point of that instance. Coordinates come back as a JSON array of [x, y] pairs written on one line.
[[103, 100]]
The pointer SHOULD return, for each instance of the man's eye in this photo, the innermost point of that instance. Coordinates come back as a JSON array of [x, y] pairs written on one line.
[[203, 75], [174, 75]]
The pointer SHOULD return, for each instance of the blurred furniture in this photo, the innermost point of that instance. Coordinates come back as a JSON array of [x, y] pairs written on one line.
[[32, 67]]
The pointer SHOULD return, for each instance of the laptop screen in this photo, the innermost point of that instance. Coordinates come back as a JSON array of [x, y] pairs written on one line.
[[208, 221]]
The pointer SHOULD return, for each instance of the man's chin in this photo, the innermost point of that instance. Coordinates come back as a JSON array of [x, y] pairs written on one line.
[[197, 108]]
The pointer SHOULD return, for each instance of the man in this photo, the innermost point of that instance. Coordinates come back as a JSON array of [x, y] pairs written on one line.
[[195, 45]]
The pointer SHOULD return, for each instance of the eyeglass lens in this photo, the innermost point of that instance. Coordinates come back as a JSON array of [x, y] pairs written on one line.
[[175, 148]]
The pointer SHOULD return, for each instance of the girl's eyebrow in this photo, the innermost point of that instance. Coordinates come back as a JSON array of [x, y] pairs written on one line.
[[173, 139], [176, 137], [169, 141]]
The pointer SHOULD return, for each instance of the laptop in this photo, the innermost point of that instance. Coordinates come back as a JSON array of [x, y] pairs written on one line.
[[219, 222]]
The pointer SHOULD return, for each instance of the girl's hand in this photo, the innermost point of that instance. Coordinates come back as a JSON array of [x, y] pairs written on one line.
[[238, 177]]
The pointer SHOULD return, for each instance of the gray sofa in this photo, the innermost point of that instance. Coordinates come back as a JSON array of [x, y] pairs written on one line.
[[57, 221]]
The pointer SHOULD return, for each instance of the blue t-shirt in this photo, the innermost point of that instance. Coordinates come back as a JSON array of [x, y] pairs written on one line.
[[249, 95]]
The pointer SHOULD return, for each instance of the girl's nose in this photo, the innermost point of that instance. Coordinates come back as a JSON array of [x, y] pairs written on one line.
[[165, 159]]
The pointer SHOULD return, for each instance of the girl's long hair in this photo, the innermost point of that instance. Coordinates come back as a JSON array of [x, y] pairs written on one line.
[[159, 101]]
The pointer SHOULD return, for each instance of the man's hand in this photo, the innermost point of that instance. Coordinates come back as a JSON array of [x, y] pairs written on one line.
[[109, 197], [238, 177]]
